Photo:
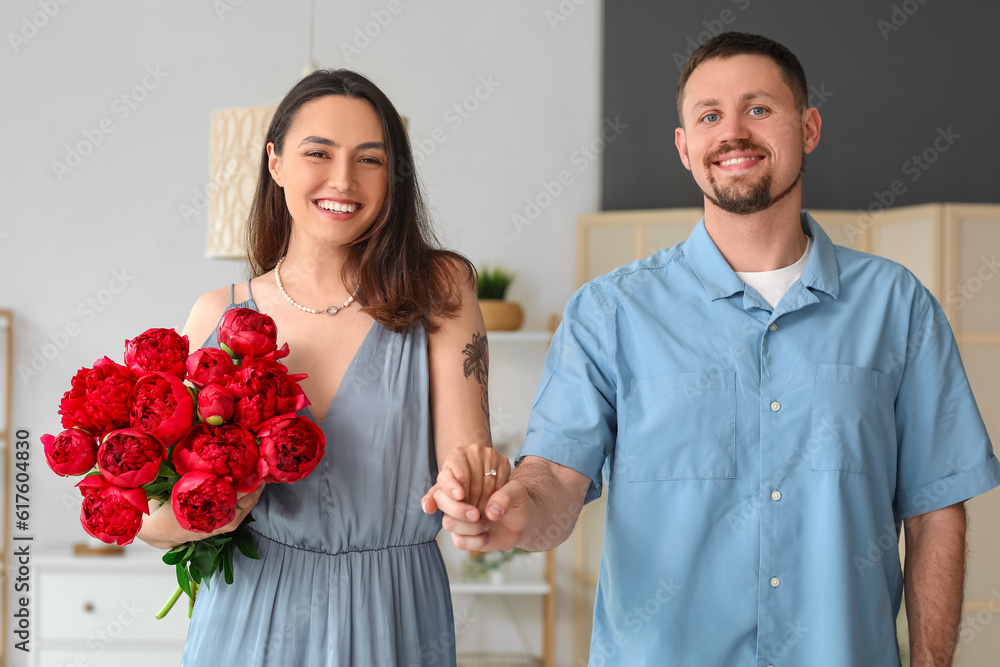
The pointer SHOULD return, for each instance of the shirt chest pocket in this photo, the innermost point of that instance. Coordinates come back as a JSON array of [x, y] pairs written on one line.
[[853, 421], [681, 426]]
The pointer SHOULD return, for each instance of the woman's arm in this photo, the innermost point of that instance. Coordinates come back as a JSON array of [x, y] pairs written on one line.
[[160, 528], [459, 381]]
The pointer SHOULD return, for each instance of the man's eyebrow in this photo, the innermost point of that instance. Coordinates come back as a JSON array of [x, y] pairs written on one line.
[[368, 145], [752, 95], [706, 103]]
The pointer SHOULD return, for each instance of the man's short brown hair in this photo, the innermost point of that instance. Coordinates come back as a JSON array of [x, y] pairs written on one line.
[[730, 44]]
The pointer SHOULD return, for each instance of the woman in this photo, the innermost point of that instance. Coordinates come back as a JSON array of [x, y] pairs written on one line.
[[389, 330]]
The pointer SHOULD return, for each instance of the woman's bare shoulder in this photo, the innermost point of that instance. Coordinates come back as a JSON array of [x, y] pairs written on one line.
[[205, 315]]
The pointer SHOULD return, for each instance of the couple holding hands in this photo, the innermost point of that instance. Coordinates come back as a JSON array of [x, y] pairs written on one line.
[[763, 406]]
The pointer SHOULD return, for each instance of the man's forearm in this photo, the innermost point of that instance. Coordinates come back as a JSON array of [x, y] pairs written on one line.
[[555, 496], [934, 582]]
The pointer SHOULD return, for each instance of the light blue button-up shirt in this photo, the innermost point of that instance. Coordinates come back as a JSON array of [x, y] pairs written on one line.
[[758, 463]]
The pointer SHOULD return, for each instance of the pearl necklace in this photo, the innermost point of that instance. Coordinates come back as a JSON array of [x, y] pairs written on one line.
[[329, 310]]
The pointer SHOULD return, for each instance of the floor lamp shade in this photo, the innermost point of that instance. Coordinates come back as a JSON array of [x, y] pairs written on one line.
[[236, 144]]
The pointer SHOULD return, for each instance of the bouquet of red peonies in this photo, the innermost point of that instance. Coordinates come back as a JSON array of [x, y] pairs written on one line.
[[189, 429]]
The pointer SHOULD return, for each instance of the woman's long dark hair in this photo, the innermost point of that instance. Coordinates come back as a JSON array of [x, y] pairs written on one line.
[[405, 276]]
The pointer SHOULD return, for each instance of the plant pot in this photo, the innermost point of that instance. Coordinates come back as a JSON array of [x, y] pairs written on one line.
[[500, 315]]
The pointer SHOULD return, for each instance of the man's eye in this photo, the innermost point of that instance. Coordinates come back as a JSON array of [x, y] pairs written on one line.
[[758, 111], [710, 117]]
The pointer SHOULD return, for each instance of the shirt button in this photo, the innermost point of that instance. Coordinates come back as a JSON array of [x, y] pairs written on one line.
[[776, 495], [773, 326], [775, 582], [775, 406]]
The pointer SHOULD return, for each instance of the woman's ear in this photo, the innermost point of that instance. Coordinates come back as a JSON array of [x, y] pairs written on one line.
[[274, 163]]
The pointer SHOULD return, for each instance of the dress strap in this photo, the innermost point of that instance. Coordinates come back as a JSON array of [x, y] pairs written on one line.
[[232, 287], [249, 295]]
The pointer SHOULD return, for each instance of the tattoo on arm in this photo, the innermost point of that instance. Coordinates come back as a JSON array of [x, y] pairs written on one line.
[[478, 366]]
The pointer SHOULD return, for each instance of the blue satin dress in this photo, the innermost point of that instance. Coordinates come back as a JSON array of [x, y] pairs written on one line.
[[349, 570]]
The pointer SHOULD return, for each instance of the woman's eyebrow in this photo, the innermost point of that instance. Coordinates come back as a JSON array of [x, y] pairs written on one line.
[[330, 142]]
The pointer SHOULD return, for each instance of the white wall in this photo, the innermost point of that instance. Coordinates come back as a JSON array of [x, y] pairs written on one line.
[[110, 231]]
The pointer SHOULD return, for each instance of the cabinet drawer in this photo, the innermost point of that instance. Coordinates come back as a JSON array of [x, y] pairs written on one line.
[[107, 609], [108, 658]]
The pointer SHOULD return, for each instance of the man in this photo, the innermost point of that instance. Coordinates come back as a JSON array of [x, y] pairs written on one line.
[[767, 409]]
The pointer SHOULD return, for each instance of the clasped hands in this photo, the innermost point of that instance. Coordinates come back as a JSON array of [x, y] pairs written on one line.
[[483, 509]]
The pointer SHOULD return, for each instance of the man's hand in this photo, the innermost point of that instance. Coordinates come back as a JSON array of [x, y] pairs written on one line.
[[535, 510], [498, 528]]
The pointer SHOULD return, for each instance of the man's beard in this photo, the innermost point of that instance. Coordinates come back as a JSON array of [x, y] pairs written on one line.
[[758, 197]]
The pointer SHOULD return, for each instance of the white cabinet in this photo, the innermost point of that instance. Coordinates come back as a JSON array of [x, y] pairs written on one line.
[[100, 611]]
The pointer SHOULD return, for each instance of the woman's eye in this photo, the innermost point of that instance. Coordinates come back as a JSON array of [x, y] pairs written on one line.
[[316, 154], [371, 160]]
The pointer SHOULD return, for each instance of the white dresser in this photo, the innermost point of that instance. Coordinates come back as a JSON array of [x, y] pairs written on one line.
[[100, 611]]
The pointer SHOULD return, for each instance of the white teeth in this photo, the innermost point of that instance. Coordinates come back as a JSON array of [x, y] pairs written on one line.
[[336, 207], [736, 160]]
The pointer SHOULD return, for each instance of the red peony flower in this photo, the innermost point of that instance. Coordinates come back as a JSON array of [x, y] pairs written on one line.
[[98, 399], [228, 451], [209, 364], [280, 353], [215, 404], [290, 448], [109, 513], [248, 333], [130, 458], [157, 350], [265, 389], [162, 406], [203, 502], [72, 452]]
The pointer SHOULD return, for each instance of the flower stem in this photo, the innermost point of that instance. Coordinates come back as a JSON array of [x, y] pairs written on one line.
[[170, 603], [194, 594]]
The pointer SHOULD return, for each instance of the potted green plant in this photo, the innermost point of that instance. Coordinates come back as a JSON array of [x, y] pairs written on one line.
[[481, 566], [491, 290]]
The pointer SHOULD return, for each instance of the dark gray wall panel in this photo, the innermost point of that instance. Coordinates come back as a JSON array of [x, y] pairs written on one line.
[[888, 77]]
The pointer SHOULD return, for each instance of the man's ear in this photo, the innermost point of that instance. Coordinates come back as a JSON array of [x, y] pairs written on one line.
[[811, 123], [680, 140]]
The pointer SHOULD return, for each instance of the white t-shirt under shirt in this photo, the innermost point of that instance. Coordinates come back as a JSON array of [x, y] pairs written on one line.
[[772, 285]]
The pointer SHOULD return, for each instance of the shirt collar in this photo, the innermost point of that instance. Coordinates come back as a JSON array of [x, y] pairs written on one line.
[[720, 281]]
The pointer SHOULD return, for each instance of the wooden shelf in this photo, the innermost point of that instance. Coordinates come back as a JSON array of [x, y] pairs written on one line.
[[504, 588]]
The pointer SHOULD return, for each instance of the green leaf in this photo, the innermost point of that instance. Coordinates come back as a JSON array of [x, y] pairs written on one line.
[[493, 283], [167, 472], [244, 542], [183, 580], [225, 348], [217, 561], [204, 559], [227, 565], [194, 572], [176, 555]]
